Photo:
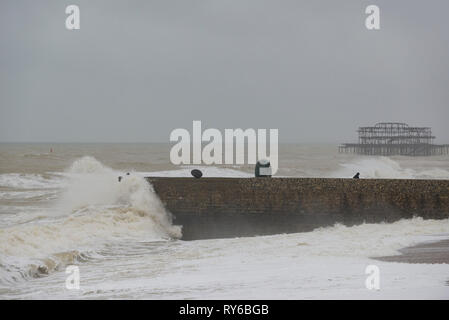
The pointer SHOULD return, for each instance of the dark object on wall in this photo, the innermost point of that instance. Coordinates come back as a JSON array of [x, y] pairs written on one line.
[[196, 173], [120, 178], [263, 168], [357, 175]]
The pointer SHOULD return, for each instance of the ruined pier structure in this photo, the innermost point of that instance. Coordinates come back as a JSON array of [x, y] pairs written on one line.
[[393, 138], [237, 207]]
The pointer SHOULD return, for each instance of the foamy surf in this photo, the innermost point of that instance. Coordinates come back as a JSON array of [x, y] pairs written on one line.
[[29, 181], [386, 168], [325, 263], [93, 211], [83, 216]]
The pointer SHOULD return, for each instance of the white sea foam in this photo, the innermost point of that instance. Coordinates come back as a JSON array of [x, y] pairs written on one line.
[[384, 167], [364, 241], [325, 263], [26, 195], [94, 210], [28, 181], [115, 229]]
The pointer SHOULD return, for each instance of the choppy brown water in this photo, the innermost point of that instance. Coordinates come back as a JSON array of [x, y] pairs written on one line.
[[65, 207]]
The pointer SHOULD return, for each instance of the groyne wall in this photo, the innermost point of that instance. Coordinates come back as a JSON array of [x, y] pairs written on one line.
[[237, 207]]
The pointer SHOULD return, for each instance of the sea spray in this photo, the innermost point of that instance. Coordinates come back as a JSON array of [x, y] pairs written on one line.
[[386, 168], [92, 184], [93, 211]]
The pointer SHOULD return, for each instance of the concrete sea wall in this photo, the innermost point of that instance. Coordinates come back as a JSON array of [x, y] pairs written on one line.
[[237, 207]]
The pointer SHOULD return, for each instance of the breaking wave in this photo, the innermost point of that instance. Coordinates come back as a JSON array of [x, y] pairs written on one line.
[[28, 181], [386, 168], [93, 211], [360, 241]]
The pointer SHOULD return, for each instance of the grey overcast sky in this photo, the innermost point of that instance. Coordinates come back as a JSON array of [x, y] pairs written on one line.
[[138, 69]]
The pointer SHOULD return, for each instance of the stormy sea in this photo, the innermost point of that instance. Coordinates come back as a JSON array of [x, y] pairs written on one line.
[[61, 205]]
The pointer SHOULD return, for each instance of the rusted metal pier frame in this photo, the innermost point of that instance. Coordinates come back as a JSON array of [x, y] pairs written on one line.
[[394, 138]]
